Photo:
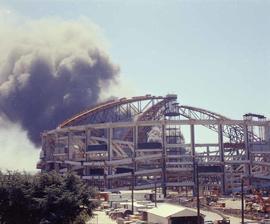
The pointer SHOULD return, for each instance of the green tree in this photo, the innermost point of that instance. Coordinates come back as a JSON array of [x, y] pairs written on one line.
[[44, 198]]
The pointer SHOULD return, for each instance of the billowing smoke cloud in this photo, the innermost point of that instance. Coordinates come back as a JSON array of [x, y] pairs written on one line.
[[12, 140], [50, 70]]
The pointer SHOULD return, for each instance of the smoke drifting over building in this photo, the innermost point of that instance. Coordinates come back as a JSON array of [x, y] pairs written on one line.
[[50, 70]]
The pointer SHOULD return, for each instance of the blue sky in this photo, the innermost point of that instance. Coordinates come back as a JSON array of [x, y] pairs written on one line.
[[213, 54]]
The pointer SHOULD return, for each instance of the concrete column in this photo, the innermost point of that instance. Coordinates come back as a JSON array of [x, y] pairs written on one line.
[[134, 154], [109, 142], [164, 170], [192, 145], [70, 151], [108, 169], [221, 154], [247, 151], [87, 137]]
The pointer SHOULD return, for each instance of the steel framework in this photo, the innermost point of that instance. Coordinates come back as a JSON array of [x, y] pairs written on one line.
[[107, 143]]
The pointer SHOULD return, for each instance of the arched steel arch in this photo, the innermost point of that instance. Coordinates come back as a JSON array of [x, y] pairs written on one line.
[[115, 110], [234, 133], [152, 108]]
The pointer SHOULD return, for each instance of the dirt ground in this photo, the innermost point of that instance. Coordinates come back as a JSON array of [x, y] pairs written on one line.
[[101, 218]]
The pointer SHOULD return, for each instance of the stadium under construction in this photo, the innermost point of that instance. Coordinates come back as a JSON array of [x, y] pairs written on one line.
[[149, 141]]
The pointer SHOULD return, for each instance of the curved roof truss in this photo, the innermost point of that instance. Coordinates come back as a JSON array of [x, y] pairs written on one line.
[[152, 108]]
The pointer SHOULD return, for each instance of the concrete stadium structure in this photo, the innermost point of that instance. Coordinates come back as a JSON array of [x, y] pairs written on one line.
[[147, 140]]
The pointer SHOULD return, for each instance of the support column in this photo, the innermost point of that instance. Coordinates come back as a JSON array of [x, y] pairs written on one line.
[[135, 146], [87, 141], [192, 145], [247, 152], [221, 153], [69, 145], [87, 138], [69, 149], [108, 169], [85, 150], [51, 156], [164, 170]]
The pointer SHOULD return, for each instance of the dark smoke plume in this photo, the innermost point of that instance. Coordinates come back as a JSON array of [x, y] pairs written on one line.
[[50, 70]]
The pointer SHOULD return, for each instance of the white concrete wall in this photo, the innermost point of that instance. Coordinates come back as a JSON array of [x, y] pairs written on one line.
[[117, 197], [138, 196], [129, 207], [151, 218]]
